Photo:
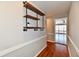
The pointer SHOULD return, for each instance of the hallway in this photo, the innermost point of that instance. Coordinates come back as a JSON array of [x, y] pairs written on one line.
[[55, 50], [28, 29]]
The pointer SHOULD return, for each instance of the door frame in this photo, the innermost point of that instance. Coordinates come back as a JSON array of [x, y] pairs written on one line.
[[66, 28]]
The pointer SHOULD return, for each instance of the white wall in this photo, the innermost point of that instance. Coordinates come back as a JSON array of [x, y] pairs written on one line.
[[11, 29], [50, 28], [74, 24]]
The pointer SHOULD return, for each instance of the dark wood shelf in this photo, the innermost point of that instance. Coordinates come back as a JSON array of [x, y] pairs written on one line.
[[33, 27], [31, 7], [38, 12], [31, 17]]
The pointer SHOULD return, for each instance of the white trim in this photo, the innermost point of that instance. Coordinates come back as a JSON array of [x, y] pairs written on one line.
[[76, 48], [50, 41], [50, 34], [6, 51], [69, 51], [40, 51]]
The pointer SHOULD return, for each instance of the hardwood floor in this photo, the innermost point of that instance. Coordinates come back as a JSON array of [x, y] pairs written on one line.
[[55, 50]]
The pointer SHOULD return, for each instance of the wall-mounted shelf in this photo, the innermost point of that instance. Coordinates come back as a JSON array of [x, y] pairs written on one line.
[[38, 12], [31, 17], [31, 7], [35, 28]]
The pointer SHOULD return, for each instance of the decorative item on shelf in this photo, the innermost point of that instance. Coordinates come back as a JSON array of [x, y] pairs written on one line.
[[38, 12]]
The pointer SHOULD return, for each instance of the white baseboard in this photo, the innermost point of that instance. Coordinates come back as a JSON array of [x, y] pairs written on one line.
[[9, 50], [50, 34], [69, 51], [40, 51], [50, 41], [76, 48]]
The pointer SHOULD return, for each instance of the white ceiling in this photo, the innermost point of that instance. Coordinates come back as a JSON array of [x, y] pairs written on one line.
[[53, 8]]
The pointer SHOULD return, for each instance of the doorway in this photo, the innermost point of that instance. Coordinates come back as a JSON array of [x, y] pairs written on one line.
[[61, 30]]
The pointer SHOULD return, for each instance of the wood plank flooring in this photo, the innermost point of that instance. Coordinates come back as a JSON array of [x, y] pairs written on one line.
[[55, 50]]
